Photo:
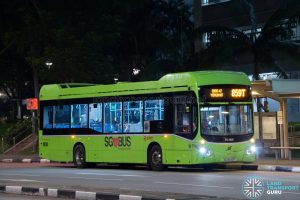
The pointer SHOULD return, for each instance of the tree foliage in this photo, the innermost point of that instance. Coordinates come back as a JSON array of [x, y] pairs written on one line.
[[95, 41], [89, 41]]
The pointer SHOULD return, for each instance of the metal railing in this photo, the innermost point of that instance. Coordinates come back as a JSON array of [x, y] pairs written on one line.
[[23, 144]]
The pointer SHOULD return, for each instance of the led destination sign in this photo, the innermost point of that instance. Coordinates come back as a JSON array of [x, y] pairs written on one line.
[[225, 93], [216, 93], [238, 93]]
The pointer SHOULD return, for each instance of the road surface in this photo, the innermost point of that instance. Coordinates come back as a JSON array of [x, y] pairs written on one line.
[[171, 183]]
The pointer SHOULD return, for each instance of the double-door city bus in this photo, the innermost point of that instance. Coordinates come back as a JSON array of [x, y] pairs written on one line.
[[187, 118]]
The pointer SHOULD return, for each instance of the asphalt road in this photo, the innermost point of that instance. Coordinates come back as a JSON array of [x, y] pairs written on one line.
[[171, 183]]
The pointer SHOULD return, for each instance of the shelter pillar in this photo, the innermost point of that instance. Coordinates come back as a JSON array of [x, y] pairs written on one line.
[[284, 142]]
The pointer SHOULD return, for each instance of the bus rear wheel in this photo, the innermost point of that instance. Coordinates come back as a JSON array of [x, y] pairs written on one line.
[[155, 158], [79, 156]]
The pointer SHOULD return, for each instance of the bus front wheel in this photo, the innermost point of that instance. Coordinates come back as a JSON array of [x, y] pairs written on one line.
[[155, 158], [79, 156]]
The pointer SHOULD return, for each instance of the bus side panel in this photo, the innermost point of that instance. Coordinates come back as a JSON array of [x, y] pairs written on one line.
[[178, 157], [56, 148], [91, 145], [180, 152], [130, 148], [120, 149]]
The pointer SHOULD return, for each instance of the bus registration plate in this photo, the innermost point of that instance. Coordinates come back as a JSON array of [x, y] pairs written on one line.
[[229, 159]]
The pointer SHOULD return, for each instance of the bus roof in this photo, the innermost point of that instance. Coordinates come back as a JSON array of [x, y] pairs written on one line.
[[168, 83]]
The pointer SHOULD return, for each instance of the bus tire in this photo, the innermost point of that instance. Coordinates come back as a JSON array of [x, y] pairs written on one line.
[[155, 158], [79, 156]]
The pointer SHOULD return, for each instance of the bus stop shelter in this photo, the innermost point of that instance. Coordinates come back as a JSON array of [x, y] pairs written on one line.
[[280, 90]]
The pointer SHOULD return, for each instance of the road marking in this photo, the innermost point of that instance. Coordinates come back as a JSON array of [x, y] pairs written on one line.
[[122, 175], [129, 197], [7, 160], [194, 185], [260, 173], [196, 174], [52, 192], [19, 175], [13, 189], [297, 193], [296, 169], [21, 180], [280, 179], [26, 160], [85, 178], [85, 195]]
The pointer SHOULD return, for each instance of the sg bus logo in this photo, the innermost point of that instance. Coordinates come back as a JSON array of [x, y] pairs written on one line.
[[124, 141]]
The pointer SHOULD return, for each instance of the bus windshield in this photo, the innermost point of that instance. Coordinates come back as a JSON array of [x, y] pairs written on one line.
[[225, 120]]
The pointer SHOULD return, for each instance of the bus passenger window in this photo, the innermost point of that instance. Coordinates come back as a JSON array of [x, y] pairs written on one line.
[[47, 117], [79, 116], [113, 117], [95, 117], [154, 110], [133, 117], [61, 116]]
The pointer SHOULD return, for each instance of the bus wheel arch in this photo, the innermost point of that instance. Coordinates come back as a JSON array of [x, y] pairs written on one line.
[[79, 155], [155, 157]]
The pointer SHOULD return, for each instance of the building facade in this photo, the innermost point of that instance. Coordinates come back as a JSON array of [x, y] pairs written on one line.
[[249, 16]]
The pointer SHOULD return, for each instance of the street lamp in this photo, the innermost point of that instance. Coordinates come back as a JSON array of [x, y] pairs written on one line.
[[49, 64], [135, 71]]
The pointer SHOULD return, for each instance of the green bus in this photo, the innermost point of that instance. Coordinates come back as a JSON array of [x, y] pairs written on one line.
[[187, 118]]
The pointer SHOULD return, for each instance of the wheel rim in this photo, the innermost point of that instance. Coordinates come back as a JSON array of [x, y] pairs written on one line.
[[79, 157], [156, 158]]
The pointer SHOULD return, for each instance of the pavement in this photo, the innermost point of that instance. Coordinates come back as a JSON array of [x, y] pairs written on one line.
[[6, 196], [19, 157], [84, 195]]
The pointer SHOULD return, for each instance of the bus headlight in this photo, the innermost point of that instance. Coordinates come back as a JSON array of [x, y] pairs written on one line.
[[204, 151], [251, 150]]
